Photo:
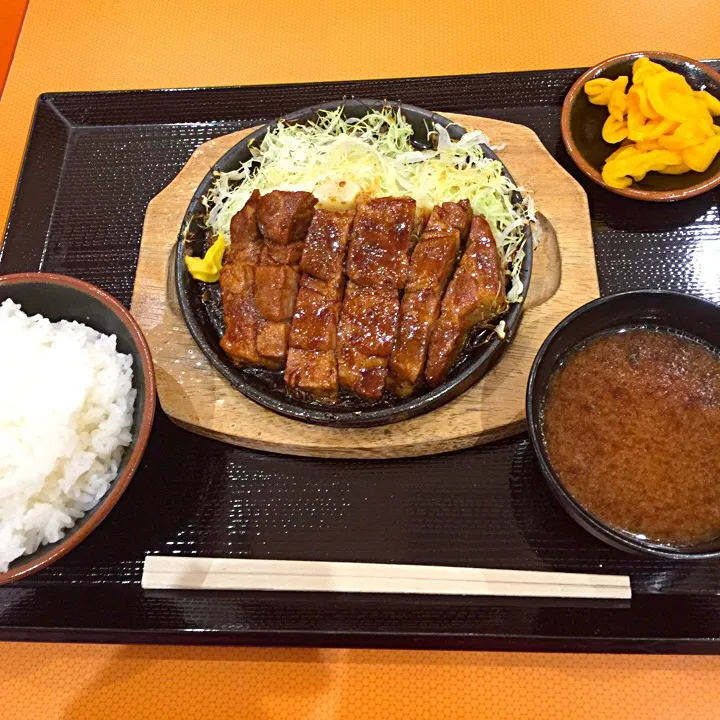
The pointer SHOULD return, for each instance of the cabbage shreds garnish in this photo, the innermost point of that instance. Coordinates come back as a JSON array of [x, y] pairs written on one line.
[[337, 159]]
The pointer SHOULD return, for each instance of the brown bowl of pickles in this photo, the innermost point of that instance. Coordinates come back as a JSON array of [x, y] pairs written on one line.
[[623, 408], [646, 125]]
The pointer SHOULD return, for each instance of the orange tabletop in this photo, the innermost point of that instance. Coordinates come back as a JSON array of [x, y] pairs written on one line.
[[114, 44]]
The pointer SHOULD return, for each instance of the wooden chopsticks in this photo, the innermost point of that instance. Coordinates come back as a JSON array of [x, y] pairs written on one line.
[[196, 573]]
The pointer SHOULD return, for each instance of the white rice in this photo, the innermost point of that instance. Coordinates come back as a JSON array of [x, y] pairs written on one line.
[[66, 409]]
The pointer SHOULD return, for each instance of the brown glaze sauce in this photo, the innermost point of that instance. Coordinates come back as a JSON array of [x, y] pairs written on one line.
[[631, 424]]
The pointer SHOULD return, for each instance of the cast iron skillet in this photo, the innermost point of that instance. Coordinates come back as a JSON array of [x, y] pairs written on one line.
[[202, 309]]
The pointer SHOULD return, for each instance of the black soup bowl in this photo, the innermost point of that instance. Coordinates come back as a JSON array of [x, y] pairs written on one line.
[[686, 314], [201, 304]]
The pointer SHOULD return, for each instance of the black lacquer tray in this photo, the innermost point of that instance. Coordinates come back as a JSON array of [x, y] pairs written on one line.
[[94, 161]]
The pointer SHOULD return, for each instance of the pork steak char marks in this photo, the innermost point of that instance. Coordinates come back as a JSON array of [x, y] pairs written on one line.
[[431, 265], [283, 219], [284, 216], [475, 295], [311, 362], [237, 285], [259, 279], [377, 268], [285, 263]]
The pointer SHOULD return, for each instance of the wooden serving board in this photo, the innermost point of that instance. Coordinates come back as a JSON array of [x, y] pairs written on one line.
[[198, 398]]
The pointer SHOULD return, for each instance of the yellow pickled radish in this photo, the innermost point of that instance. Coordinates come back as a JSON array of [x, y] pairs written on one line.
[[599, 90], [619, 170], [709, 101], [672, 97], [699, 157], [658, 158], [680, 169], [624, 151], [653, 129], [613, 130], [665, 126], [643, 104], [686, 134], [614, 176], [617, 105], [647, 145], [644, 68], [635, 118], [207, 268]]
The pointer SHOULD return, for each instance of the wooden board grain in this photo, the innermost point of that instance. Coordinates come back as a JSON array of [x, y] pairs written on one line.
[[198, 398]]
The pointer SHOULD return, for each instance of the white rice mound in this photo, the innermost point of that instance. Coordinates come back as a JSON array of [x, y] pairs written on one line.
[[66, 409]]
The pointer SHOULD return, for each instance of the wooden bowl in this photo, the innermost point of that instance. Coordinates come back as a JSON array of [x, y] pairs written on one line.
[[58, 297], [581, 125]]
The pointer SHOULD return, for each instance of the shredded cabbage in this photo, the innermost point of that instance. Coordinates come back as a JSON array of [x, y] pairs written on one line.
[[338, 159]]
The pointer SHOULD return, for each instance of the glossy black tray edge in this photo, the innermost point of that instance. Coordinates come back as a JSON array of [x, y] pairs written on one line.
[[31, 210], [24, 217], [369, 641]]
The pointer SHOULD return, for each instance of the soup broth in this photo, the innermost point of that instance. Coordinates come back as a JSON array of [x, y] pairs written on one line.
[[631, 423]]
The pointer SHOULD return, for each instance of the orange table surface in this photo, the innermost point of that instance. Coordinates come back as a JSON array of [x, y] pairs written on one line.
[[11, 17], [116, 44]]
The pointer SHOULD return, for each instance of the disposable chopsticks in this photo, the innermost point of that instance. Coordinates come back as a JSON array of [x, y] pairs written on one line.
[[195, 573]]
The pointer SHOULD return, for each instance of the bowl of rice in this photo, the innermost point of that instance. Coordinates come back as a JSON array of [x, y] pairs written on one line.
[[78, 401]]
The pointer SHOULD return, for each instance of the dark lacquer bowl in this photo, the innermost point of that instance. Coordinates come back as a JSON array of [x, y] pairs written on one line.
[[684, 313], [202, 309], [581, 125], [57, 297]]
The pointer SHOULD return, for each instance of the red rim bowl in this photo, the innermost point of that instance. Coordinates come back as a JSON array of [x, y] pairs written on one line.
[[93, 297], [581, 125]]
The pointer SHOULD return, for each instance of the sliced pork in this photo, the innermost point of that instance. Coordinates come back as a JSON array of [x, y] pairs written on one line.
[[365, 300], [311, 363], [237, 285], [431, 265], [377, 268], [283, 218], [475, 295]]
